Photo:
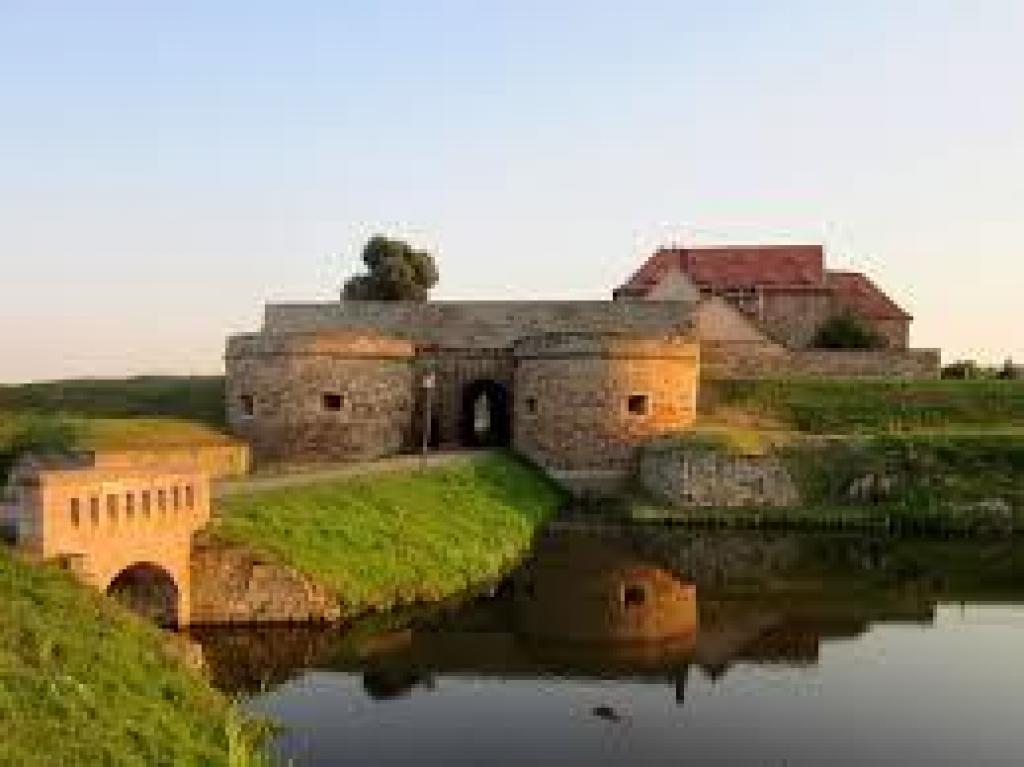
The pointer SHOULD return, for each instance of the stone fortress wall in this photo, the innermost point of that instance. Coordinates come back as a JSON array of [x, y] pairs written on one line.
[[759, 359], [585, 403], [345, 380], [333, 395], [480, 324]]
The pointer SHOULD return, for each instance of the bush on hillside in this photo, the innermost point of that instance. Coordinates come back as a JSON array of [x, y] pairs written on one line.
[[847, 331]]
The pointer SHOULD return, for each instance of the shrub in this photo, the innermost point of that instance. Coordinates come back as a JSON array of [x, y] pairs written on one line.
[[847, 331]]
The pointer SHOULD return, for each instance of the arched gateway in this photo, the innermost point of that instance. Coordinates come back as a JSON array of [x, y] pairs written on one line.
[[126, 533], [486, 418]]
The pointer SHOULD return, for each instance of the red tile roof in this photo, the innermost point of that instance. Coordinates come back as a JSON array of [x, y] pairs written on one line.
[[743, 266], [777, 268], [861, 296]]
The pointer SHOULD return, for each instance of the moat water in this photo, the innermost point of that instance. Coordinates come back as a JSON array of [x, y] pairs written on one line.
[[651, 646]]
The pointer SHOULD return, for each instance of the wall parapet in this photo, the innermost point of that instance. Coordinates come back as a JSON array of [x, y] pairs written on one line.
[[470, 324], [767, 360]]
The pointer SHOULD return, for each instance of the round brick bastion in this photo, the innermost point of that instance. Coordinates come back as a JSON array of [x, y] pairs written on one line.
[[321, 396], [585, 402]]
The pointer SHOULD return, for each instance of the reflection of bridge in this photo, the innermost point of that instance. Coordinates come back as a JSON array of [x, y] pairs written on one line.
[[128, 533]]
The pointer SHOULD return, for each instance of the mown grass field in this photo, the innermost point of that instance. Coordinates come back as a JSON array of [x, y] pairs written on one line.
[[149, 412], [84, 682], [193, 398], [393, 538], [870, 406]]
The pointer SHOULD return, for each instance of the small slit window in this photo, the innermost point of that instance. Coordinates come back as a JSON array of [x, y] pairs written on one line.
[[129, 505], [76, 512], [634, 595], [94, 509], [637, 404], [331, 401], [176, 497], [146, 503], [248, 405], [112, 507], [531, 405], [161, 500], [190, 497]]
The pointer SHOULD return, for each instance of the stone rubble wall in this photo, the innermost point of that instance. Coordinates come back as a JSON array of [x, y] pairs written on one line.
[[769, 360], [287, 377], [692, 477], [231, 584]]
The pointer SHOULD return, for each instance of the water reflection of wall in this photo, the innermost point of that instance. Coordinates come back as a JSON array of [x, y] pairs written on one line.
[[571, 611], [588, 590]]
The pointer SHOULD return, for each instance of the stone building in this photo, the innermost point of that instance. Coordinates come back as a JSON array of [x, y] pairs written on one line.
[[785, 289], [760, 307], [574, 386]]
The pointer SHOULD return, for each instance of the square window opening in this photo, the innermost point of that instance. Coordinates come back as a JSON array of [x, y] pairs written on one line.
[[248, 404], [332, 401], [637, 404]]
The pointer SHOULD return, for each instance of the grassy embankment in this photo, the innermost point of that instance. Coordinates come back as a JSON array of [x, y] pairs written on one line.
[[83, 681], [142, 412], [940, 456], [396, 538]]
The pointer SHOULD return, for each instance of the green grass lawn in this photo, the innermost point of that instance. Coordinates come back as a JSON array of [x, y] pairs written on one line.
[[21, 431], [925, 481], [110, 414], [84, 682], [871, 406], [392, 538], [194, 398]]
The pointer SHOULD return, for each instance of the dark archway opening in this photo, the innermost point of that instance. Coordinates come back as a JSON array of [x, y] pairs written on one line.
[[486, 421], [148, 590]]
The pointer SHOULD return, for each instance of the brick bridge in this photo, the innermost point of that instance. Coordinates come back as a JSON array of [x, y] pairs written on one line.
[[127, 533]]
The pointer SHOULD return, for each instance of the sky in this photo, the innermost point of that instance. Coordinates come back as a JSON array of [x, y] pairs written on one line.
[[168, 167]]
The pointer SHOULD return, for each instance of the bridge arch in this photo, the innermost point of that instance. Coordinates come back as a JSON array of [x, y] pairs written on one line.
[[150, 590]]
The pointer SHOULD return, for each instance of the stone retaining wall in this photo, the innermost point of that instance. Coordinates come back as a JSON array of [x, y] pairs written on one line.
[[231, 584], [768, 360], [692, 476]]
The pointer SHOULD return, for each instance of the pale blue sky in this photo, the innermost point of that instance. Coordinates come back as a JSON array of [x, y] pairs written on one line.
[[166, 167]]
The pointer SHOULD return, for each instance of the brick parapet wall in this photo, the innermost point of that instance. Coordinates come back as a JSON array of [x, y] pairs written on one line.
[[217, 461]]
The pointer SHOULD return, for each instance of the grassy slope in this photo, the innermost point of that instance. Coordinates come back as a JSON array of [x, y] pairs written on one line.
[[389, 538], [110, 414], [84, 682], [943, 447], [843, 407], [195, 398]]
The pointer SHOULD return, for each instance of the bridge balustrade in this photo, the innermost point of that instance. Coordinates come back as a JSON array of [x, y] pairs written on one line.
[[110, 521]]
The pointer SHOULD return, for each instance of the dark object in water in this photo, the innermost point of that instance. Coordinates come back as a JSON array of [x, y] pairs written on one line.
[[607, 713]]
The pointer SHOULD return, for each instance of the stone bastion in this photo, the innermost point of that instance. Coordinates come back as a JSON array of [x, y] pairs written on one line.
[[330, 395], [584, 403]]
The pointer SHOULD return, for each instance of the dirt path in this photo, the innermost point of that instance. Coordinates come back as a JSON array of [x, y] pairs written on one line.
[[310, 474]]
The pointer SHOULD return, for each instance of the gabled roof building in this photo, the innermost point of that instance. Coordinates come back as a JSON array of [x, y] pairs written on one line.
[[784, 289]]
